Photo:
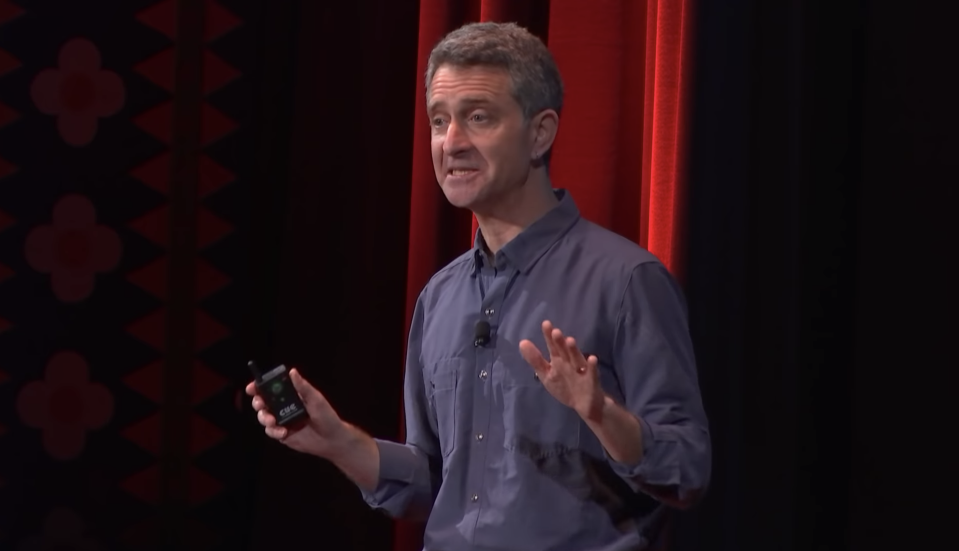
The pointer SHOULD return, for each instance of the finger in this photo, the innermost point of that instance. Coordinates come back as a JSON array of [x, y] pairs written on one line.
[[251, 389], [576, 358], [534, 358], [592, 366], [258, 403], [562, 350], [573, 350], [278, 433], [265, 418], [548, 337]]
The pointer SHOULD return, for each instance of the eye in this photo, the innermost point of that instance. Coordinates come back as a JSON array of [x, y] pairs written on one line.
[[438, 121], [479, 117]]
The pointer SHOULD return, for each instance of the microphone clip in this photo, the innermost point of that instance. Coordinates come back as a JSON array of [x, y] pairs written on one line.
[[481, 333]]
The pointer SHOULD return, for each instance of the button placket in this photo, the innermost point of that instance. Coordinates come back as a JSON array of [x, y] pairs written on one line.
[[488, 312], [492, 297]]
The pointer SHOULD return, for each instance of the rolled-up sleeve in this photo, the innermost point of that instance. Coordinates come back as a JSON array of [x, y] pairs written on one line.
[[409, 474], [656, 368]]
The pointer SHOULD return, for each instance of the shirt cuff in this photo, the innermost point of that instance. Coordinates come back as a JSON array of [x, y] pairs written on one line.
[[397, 468], [658, 466]]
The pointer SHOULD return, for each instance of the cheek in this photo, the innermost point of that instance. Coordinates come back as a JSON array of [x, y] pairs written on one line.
[[436, 149], [509, 157]]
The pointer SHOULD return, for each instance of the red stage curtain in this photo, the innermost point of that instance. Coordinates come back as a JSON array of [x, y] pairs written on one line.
[[620, 149]]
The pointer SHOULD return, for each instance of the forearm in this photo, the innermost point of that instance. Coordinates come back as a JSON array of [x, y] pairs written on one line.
[[399, 479], [357, 456], [618, 430], [655, 366], [675, 474]]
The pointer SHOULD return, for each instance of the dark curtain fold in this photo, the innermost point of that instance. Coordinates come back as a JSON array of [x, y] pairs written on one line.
[[776, 171], [339, 263], [817, 275]]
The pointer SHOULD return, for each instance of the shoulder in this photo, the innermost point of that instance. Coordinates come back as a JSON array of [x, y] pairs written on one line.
[[640, 280], [592, 261], [615, 253], [446, 278]]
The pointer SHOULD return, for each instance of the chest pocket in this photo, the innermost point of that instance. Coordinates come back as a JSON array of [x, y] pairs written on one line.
[[535, 423], [441, 385]]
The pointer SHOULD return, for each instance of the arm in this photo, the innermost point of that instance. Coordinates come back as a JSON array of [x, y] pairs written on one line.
[[357, 455], [618, 430], [407, 476], [658, 440]]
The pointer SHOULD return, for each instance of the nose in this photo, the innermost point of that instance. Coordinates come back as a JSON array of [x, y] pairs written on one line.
[[456, 140]]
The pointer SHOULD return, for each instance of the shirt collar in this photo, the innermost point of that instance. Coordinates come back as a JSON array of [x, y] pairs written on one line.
[[526, 248]]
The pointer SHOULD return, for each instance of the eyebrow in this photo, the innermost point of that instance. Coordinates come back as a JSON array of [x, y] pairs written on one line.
[[468, 102]]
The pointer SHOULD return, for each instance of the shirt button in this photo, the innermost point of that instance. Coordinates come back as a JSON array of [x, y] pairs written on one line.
[[483, 374], [474, 498], [490, 311], [479, 437]]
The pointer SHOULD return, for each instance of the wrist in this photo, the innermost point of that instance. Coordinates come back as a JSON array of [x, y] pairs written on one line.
[[340, 442], [598, 409], [356, 454]]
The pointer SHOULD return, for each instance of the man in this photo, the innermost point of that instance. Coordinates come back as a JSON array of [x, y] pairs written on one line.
[[576, 422]]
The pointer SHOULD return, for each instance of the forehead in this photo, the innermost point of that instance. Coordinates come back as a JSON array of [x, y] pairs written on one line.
[[454, 85]]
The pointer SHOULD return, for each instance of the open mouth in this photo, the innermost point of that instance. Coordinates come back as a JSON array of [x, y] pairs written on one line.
[[461, 171]]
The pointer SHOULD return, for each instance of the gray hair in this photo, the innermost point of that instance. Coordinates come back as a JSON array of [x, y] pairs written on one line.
[[536, 83]]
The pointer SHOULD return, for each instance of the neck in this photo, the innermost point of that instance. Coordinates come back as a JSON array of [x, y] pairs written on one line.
[[513, 213]]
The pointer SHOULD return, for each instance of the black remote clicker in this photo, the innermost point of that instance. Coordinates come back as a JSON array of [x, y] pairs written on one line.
[[277, 390]]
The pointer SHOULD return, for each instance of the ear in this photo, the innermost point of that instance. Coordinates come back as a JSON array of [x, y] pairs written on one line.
[[543, 129]]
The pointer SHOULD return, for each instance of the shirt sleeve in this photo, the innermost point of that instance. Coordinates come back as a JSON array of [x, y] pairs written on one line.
[[410, 473], [656, 368]]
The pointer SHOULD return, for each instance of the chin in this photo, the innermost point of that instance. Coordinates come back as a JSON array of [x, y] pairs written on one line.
[[465, 197], [459, 199]]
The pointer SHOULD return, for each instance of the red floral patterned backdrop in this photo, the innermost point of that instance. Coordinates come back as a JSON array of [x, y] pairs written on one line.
[[122, 204]]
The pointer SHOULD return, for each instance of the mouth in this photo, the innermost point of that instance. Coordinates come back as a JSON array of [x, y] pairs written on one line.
[[456, 172]]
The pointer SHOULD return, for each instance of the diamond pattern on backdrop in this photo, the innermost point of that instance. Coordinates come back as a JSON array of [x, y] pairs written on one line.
[[96, 95], [214, 417], [8, 116], [156, 122], [67, 144]]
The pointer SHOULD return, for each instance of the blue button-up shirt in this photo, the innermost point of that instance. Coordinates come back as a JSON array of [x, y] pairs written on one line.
[[491, 458]]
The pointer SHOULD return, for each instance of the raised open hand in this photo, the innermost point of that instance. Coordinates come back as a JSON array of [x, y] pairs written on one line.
[[570, 377]]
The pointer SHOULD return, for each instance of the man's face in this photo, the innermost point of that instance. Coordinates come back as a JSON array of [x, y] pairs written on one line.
[[481, 143]]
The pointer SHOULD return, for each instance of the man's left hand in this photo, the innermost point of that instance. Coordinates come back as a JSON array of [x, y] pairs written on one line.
[[568, 375]]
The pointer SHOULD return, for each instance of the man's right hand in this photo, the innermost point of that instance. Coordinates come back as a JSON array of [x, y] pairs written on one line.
[[321, 435], [324, 434]]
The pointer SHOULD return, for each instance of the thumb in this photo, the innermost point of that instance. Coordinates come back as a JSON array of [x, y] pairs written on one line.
[[314, 401], [303, 388]]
